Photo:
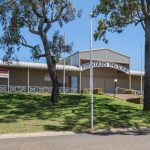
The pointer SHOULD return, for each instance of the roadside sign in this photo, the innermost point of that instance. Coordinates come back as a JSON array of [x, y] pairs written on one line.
[[4, 73]]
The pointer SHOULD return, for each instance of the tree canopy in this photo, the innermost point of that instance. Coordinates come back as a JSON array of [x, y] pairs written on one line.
[[115, 15], [38, 17]]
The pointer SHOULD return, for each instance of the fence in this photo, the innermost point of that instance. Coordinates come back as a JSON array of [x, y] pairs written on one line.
[[34, 89], [121, 90]]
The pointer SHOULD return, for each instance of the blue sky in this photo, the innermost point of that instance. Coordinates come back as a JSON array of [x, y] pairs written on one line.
[[128, 43]]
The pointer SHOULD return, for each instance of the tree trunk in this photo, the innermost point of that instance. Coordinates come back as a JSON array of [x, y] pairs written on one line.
[[51, 69], [147, 66], [54, 78], [55, 89]]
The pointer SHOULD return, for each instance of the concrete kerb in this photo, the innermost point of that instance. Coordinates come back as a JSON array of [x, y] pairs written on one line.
[[141, 130], [39, 134]]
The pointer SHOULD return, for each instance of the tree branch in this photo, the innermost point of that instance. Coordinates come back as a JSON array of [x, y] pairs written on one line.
[[31, 28], [148, 6], [34, 9], [59, 14], [141, 20], [40, 55], [47, 20], [144, 8], [41, 25], [24, 43]]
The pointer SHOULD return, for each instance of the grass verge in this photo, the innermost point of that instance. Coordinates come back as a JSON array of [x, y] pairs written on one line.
[[20, 113]]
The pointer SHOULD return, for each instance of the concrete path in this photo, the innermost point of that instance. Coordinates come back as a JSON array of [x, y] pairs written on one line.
[[121, 96], [123, 140]]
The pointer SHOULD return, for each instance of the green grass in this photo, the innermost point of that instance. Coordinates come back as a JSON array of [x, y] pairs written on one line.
[[33, 113]]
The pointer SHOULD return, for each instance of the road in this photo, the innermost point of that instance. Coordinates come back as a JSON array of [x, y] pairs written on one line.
[[98, 141]]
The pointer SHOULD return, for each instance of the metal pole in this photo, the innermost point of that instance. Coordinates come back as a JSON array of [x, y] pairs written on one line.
[[64, 70], [28, 86], [141, 72], [115, 85], [8, 83], [91, 72], [130, 80], [80, 82]]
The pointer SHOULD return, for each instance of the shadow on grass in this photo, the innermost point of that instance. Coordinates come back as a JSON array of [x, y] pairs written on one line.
[[71, 113]]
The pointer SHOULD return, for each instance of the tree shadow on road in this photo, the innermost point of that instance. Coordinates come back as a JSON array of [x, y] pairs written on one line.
[[135, 132]]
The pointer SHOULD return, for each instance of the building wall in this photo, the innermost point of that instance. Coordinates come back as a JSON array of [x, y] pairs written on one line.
[[136, 82], [103, 78], [105, 55], [17, 76]]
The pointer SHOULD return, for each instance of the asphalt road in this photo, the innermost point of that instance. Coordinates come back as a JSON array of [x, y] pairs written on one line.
[[99, 141]]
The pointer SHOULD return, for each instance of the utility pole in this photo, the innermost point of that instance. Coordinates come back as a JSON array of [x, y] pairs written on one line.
[[91, 73], [64, 69]]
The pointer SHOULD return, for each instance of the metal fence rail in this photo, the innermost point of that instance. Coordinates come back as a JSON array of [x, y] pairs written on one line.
[[34, 89], [137, 92]]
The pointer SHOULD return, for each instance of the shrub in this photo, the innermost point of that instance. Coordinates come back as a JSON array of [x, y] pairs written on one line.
[[95, 91]]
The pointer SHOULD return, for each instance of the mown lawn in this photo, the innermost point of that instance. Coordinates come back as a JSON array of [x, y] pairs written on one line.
[[33, 113]]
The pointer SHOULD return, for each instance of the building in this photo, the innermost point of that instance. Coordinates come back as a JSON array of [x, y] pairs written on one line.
[[107, 66]]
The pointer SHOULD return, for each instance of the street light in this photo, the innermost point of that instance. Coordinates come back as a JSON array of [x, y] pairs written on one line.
[[115, 86], [91, 72], [64, 69]]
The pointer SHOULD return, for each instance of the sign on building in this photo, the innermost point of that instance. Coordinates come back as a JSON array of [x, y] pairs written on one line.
[[4, 73], [105, 65]]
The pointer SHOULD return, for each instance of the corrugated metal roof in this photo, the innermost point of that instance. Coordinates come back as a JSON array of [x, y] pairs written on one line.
[[36, 65], [137, 73], [44, 66], [101, 49]]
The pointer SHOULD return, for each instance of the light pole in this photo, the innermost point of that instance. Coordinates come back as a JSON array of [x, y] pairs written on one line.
[[141, 73], [115, 86], [91, 73], [64, 69]]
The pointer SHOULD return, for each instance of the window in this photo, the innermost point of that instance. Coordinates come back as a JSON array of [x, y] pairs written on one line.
[[74, 82]]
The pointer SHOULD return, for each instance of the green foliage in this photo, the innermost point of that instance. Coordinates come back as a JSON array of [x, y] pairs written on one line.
[[38, 17], [115, 15], [58, 46]]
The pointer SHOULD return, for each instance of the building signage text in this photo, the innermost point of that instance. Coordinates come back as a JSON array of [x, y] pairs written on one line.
[[4, 73], [105, 65]]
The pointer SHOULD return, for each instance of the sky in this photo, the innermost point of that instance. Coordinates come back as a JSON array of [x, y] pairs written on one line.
[[78, 31]]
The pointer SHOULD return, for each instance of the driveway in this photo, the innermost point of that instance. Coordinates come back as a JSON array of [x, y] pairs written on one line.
[[122, 96]]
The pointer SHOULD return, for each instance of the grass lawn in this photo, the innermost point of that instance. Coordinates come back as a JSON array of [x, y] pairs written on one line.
[[33, 113]]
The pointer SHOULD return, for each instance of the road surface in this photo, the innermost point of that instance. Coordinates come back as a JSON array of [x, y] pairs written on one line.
[[97, 141]]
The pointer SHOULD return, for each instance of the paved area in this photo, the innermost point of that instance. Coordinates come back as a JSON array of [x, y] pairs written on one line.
[[128, 140], [122, 96]]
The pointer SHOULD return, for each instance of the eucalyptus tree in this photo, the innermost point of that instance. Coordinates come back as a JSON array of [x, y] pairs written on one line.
[[114, 16], [38, 17]]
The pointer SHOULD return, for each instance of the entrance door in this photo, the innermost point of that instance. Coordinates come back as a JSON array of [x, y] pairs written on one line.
[[74, 82]]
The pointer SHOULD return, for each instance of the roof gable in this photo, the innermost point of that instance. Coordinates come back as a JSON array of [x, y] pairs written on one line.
[[105, 55]]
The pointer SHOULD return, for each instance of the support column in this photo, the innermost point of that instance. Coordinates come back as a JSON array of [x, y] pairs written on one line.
[[64, 78], [141, 84], [28, 80], [8, 83], [80, 82], [130, 81], [130, 84]]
